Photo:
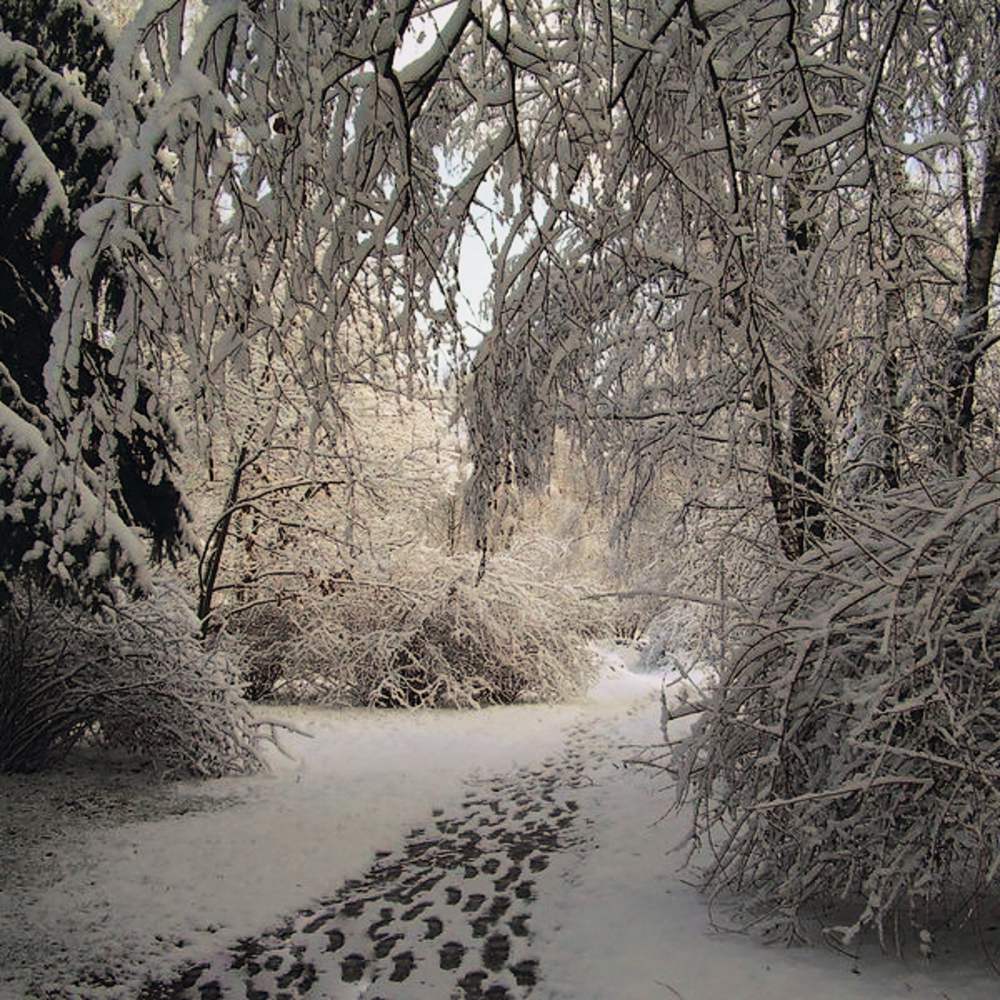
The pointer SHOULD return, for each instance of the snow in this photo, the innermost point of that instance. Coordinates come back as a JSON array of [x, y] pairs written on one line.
[[33, 167], [103, 870], [47, 487]]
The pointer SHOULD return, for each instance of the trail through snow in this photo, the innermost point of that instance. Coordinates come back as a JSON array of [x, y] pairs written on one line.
[[513, 852]]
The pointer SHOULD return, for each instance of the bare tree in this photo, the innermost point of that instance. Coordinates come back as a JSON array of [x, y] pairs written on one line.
[[731, 267]]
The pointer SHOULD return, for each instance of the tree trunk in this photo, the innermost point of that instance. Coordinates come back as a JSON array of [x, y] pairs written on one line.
[[971, 335], [799, 500], [809, 455], [208, 570]]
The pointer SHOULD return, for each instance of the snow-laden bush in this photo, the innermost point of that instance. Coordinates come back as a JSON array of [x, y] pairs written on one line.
[[852, 752], [264, 631], [136, 676], [426, 634], [658, 655]]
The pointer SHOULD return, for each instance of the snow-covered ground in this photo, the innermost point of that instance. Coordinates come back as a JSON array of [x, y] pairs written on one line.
[[107, 879]]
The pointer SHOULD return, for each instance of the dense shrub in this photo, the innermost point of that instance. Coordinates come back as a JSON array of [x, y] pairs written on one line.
[[264, 631], [852, 752], [659, 655], [427, 634], [135, 676]]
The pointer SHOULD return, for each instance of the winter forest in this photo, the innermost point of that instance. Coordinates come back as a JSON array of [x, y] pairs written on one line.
[[388, 353]]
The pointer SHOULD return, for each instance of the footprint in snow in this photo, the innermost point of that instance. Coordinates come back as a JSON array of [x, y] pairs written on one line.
[[448, 915]]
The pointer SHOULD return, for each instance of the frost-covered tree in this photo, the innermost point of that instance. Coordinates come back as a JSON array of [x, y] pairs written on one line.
[[718, 229], [259, 273], [691, 205], [70, 500], [970, 75], [87, 447], [720, 232], [731, 229]]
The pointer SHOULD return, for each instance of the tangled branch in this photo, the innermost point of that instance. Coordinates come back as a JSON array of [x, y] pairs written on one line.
[[853, 751]]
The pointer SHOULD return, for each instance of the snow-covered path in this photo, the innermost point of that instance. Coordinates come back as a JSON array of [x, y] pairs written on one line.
[[450, 913], [627, 924], [512, 850], [106, 878]]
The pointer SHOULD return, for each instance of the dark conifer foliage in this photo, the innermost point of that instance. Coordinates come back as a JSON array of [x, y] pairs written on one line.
[[54, 154]]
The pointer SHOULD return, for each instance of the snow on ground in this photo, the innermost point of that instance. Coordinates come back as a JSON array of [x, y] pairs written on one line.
[[630, 926], [105, 873]]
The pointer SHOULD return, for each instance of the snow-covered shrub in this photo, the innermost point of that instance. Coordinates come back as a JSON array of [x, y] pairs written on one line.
[[35, 730], [429, 635], [852, 752], [263, 631], [659, 654], [136, 676]]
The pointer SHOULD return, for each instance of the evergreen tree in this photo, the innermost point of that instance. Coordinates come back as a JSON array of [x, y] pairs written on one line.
[[68, 510]]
